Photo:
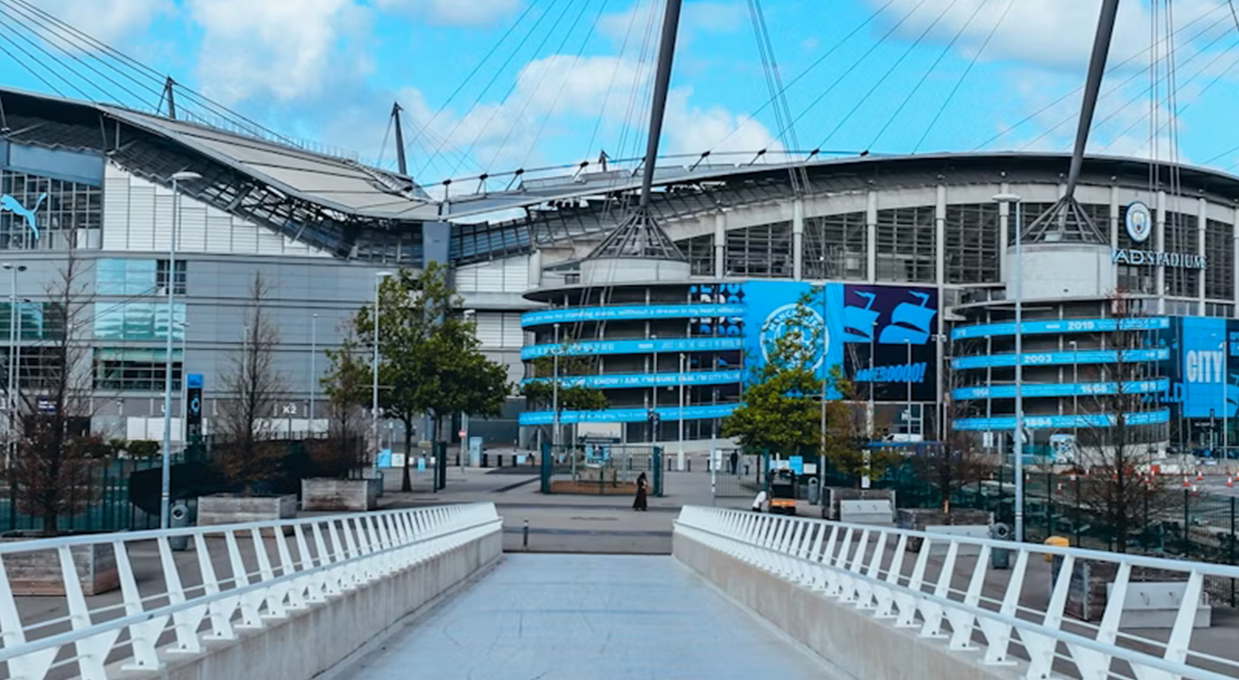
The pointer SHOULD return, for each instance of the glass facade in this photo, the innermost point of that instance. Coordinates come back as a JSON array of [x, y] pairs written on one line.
[[1182, 236], [135, 369], [133, 277], [1220, 253], [60, 210], [138, 321], [972, 243], [37, 320], [907, 245], [700, 253], [760, 252], [835, 247]]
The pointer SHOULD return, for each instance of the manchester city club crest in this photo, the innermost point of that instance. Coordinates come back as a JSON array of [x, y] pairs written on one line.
[[784, 320], [1139, 222]]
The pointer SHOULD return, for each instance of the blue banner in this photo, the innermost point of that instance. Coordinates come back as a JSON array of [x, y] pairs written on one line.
[[1061, 422], [1061, 390], [1061, 358], [627, 415], [594, 347], [627, 313], [1061, 326], [602, 382], [1201, 368], [770, 306]]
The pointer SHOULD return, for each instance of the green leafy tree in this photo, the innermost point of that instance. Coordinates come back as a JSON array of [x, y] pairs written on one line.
[[430, 359], [845, 444], [573, 394], [780, 410]]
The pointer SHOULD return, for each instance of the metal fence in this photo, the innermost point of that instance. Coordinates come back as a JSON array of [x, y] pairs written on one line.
[[241, 576], [600, 469], [948, 586]]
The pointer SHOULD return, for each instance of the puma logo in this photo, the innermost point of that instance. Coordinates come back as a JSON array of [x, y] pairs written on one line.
[[10, 204]]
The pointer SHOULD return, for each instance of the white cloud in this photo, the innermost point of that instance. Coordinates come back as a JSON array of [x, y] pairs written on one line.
[[692, 130], [707, 16], [109, 21], [278, 48], [1052, 33], [455, 12]]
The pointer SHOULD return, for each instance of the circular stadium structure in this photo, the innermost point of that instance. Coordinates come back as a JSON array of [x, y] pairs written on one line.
[[909, 262]]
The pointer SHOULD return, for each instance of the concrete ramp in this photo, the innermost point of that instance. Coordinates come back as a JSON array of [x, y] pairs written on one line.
[[568, 617]]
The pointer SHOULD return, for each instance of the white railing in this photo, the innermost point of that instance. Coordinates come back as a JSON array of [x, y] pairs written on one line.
[[231, 578], [997, 616]]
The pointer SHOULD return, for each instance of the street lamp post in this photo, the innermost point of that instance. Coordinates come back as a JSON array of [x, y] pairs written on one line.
[[184, 410], [313, 371], [464, 417], [908, 374], [14, 357], [1018, 285], [165, 495], [374, 372], [555, 393], [1075, 396], [680, 453]]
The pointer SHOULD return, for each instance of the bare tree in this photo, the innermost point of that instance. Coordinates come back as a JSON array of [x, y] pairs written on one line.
[[343, 451], [956, 461], [1116, 453], [253, 384], [55, 449]]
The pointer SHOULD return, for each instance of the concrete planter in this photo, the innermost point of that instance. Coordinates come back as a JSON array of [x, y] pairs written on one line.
[[327, 493], [834, 494], [969, 522], [39, 573], [232, 509]]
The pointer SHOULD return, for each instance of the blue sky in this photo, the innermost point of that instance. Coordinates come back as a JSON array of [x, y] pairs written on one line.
[[891, 76]]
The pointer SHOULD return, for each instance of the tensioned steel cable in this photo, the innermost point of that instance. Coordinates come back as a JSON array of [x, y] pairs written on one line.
[[1110, 69], [6, 35], [963, 76], [476, 68], [503, 67], [1118, 87], [606, 97], [925, 77], [805, 72], [1235, 17], [860, 101]]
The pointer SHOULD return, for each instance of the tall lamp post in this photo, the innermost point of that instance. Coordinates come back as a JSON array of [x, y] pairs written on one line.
[[374, 371], [469, 315], [183, 412], [1075, 397], [555, 394], [313, 371], [1007, 199], [165, 488], [11, 391]]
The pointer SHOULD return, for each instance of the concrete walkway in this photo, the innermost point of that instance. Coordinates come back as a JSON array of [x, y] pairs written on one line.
[[567, 617]]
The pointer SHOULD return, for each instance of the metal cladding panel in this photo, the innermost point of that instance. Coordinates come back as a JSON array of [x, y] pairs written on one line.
[[70, 166], [141, 217], [436, 240]]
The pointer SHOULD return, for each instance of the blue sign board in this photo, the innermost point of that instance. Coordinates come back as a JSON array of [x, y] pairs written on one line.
[[1062, 422], [1061, 358], [603, 382], [1204, 377], [1061, 390], [595, 347], [627, 415], [383, 460], [1061, 326], [770, 308], [193, 380], [627, 313], [796, 463]]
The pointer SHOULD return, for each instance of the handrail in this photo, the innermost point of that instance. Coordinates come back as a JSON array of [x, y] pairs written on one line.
[[348, 551], [864, 565]]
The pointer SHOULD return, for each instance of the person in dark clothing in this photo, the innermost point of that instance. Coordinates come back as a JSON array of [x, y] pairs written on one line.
[[643, 487], [735, 462]]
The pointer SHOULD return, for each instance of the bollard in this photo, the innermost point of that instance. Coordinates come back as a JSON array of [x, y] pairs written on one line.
[[485, 460], [525, 537], [179, 519], [689, 462]]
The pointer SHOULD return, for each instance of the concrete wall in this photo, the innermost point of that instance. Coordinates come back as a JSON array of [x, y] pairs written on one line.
[[852, 642], [315, 639]]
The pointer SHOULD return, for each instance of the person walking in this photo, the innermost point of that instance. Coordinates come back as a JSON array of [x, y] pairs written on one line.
[[643, 486]]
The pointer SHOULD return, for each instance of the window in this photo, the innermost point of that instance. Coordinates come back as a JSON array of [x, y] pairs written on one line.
[[1219, 309], [760, 252], [1220, 261], [907, 245], [700, 253], [972, 243], [1182, 235], [138, 321], [132, 369], [835, 247], [161, 277], [61, 210], [126, 277], [37, 320]]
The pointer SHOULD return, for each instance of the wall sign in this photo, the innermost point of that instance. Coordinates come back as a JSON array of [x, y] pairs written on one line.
[[1157, 258]]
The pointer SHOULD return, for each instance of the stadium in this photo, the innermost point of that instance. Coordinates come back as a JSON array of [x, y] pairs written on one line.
[[909, 262]]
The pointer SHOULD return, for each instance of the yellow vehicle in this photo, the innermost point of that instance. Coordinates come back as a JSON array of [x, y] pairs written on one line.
[[783, 492]]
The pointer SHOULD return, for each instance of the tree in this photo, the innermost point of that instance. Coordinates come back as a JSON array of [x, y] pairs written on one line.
[[956, 460], [572, 395], [55, 450], [1116, 450], [847, 437], [253, 385], [343, 451], [430, 360], [780, 411]]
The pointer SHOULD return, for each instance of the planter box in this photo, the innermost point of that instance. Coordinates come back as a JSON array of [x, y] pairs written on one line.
[[921, 519], [39, 573], [326, 493], [231, 509], [832, 495]]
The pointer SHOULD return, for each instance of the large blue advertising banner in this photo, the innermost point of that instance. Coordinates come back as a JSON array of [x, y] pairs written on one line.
[[889, 333], [770, 309], [1202, 369]]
